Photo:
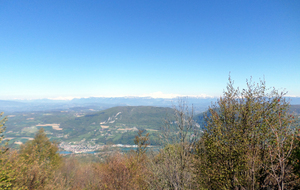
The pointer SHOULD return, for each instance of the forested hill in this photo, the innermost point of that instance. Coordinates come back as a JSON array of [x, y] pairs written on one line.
[[118, 124], [139, 116]]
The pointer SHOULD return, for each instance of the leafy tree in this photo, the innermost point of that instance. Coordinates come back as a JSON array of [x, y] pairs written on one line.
[[6, 174], [2, 128], [41, 158], [247, 140], [11, 165], [12, 169], [42, 148]]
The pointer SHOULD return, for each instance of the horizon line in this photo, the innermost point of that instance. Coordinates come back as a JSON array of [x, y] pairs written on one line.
[[72, 98]]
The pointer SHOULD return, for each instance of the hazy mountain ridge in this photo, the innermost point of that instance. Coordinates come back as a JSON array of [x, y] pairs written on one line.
[[200, 104], [97, 103]]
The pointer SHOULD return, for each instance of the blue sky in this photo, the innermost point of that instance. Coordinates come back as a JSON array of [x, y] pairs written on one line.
[[78, 48]]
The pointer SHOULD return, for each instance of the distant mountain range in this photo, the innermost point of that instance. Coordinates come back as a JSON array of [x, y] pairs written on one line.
[[98, 103], [200, 104]]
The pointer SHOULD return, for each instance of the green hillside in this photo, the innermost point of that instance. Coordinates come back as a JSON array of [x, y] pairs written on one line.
[[141, 116], [116, 125]]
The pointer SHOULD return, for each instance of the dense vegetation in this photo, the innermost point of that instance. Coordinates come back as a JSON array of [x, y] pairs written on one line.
[[249, 140]]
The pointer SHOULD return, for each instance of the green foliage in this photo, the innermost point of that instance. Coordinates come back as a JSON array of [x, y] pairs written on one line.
[[42, 148], [247, 134], [7, 173], [40, 159], [11, 171], [2, 128]]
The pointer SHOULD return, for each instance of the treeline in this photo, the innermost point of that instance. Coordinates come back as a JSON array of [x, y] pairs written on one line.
[[249, 141]]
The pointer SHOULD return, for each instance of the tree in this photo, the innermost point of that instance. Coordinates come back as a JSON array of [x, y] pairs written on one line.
[[173, 166], [7, 173], [280, 147], [41, 158], [295, 162], [244, 138], [2, 128], [42, 148], [142, 143], [11, 165]]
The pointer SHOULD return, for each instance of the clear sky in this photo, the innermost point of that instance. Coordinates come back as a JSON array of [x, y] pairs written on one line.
[[79, 48]]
